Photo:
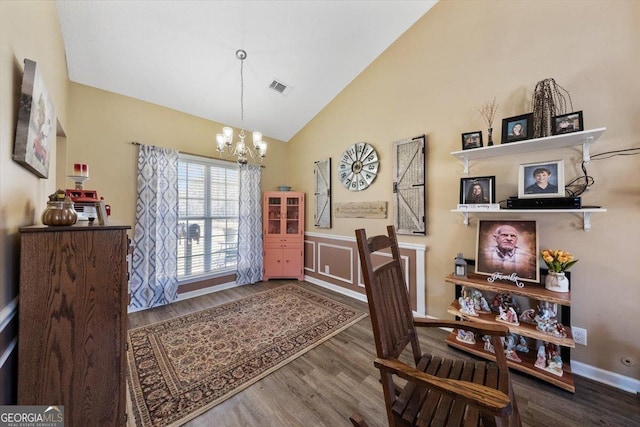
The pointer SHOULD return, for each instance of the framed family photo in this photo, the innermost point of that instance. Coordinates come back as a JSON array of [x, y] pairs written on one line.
[[541, 179], [567, 123], [507, 247], [517, 128], [472, 140], [36, 128], [478, 190]]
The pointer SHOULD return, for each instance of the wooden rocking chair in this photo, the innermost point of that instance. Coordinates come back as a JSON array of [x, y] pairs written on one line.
[[437, 391]]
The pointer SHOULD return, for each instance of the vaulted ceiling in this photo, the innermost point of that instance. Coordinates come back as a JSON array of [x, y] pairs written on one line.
[[182, 54]]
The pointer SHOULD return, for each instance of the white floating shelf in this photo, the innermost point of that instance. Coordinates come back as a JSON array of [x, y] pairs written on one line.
[[586, 213], [585, 137]]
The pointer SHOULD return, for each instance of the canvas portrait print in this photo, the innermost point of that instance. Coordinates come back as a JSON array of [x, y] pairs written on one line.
[[508, 247], [36, 127]]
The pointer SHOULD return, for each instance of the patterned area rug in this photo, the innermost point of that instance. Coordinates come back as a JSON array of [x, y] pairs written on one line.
[[182, 367]]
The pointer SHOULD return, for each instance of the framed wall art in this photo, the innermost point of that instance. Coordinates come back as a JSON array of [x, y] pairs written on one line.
[[478, 190], [517, 128], [36, 128], [472, 140], [541, 179], [567, 123], [508, 247]]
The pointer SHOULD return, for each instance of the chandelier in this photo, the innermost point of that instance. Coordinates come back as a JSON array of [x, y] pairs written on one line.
[[224, 140]]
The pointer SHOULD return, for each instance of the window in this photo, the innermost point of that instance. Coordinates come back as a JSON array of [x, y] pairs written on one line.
[[207, 217]]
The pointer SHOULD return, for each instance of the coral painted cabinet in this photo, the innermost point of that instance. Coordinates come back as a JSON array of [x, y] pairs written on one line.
[[283, 235]]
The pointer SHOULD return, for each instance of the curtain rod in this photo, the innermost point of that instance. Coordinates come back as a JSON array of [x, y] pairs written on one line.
[[198, 155]]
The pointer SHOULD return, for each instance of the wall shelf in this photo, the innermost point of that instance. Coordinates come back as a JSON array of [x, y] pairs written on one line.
[[584, 138], [585, 212]]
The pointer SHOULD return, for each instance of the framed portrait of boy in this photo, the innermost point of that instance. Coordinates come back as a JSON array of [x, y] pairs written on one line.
[[478, 190], [517, 128], [508, 247], [541, 179], [567, 123], [472, 140]]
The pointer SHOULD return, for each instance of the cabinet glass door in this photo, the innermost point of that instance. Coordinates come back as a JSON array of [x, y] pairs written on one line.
[[275, 214], [293, 215]]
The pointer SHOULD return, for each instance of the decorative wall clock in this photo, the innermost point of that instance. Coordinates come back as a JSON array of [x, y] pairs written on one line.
[[358, 166]]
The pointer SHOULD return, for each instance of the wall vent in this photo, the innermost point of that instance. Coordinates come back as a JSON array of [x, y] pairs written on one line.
[[278, 86]]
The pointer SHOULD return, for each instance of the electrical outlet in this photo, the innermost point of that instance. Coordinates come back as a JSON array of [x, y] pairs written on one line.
[[579, 335]]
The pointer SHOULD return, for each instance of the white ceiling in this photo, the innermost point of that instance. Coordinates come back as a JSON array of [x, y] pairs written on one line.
[[181, 54]]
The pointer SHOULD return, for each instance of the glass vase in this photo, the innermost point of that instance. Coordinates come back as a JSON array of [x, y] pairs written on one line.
[[489, 137]]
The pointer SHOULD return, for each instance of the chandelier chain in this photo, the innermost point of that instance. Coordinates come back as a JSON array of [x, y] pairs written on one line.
[[242, 93]]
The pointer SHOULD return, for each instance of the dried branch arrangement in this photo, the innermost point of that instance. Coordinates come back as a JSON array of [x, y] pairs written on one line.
[[548, 100], [488, 111]]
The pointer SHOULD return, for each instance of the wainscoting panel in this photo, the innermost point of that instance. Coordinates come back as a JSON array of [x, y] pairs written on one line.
[[331, 261], [309, 256], [335, 262]]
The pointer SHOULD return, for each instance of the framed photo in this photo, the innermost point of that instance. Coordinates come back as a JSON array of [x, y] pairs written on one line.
[[508, 247], [517, 128], [36, 128], [478, 190], [471, 140], [541, 179], [567, 123]]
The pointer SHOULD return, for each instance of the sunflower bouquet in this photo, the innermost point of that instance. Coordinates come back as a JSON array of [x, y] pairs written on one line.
[[558, 260]]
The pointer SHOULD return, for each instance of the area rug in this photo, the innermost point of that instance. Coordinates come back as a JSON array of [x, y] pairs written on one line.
[[182, 367]]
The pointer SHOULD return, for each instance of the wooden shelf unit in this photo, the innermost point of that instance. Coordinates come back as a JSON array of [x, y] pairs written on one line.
[[530, 290], [564, 382]]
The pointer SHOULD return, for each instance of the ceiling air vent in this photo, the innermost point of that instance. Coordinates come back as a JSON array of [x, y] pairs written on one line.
[[278, 86]]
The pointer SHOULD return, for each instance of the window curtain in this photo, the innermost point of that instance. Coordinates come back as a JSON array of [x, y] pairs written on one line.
[[154, 280], [250, 226]]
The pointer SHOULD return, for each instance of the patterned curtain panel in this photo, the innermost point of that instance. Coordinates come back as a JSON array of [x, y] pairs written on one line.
[[250, 226], [154, 280]]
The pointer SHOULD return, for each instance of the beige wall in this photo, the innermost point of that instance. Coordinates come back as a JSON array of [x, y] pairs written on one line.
[[432, 80], [27, 30], [103, 125]]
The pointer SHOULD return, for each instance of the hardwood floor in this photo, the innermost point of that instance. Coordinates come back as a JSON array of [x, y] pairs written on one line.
[[326, 385]]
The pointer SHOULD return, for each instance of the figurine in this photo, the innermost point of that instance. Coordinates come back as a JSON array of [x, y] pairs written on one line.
[[479, 302], [487, 344], [466, 336], [541, 358], [508, 315], [509, 348], [528, 316], [522, 346], [466, 304], [554, 361]]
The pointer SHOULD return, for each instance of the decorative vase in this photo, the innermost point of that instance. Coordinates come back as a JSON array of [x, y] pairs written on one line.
[[556, 282], [490, 137], [59, 213]]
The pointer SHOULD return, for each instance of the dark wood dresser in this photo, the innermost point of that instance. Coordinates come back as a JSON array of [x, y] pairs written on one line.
[[73, 321]]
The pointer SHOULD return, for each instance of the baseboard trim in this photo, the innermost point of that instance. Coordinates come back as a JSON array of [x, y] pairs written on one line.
[[612, 379], [205, 291]]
